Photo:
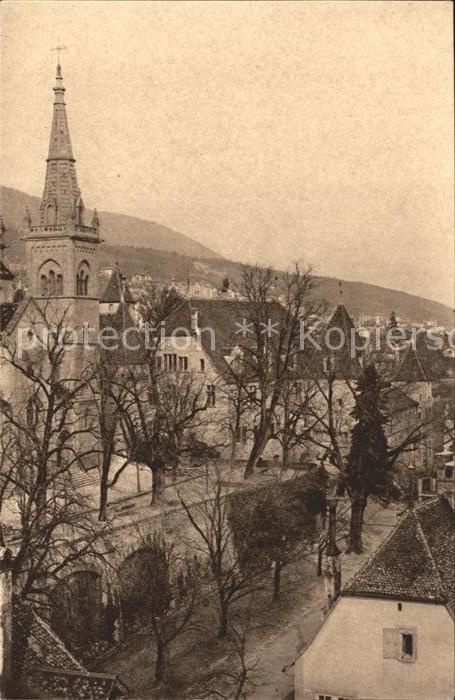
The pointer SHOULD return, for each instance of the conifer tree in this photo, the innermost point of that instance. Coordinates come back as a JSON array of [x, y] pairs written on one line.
[[368, 462]]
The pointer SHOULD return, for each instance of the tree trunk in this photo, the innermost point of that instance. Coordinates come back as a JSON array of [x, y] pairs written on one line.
[[277, 569], [356, 525], [223, 618], [260, 441], [319, 562], [102, 514], [160, 661], [157, 485]]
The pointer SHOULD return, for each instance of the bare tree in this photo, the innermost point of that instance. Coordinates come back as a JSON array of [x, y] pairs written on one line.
[[214, 541], [235, 678], [47, 442], [158, 592], [270, 347]]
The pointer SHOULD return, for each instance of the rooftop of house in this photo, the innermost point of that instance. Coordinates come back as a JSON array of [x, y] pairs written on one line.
[[415, 562], [226, 319], [397, 401], [49, 668], [231, 321]]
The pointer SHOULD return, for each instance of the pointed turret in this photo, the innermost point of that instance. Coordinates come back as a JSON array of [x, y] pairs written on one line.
[[61, 249], [27, 220], [95, 220], [61, 191]]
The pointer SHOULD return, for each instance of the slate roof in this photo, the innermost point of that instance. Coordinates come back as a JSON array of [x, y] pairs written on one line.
[[113, 290], [415, 562], [5, 274]]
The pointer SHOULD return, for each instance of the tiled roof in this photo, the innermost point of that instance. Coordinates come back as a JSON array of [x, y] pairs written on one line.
[[113, 290], [49, 667], [5, 274], [415, 562]]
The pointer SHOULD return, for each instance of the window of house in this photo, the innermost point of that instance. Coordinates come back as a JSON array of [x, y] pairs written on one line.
[[426, 484], [202, 364], [183, 364], [399, 644], [211, 395], [170, 361], [407, 645], [448, 473], [158, 362]]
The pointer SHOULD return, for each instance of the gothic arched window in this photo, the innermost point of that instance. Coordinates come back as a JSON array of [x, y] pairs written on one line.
[[44, 286], [59, 285], [51, 283], [82, 280]]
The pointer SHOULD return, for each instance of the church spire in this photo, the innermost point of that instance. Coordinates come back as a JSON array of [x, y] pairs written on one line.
[[61, 191]]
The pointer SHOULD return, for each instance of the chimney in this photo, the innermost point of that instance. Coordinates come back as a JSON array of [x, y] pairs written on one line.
[[195, 322], [6, 616]]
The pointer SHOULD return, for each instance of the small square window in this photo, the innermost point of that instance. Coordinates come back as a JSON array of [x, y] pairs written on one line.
[[202, 365]]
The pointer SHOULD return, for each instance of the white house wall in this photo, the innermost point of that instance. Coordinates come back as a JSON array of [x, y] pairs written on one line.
[[345, 659]]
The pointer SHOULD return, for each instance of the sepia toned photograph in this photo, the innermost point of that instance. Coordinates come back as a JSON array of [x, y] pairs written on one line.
[[227, 350]]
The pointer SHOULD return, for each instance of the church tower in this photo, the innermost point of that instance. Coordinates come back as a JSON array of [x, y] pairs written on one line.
[[62, 265]]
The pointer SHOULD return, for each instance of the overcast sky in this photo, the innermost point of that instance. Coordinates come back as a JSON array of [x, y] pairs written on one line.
[[271, 132]]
